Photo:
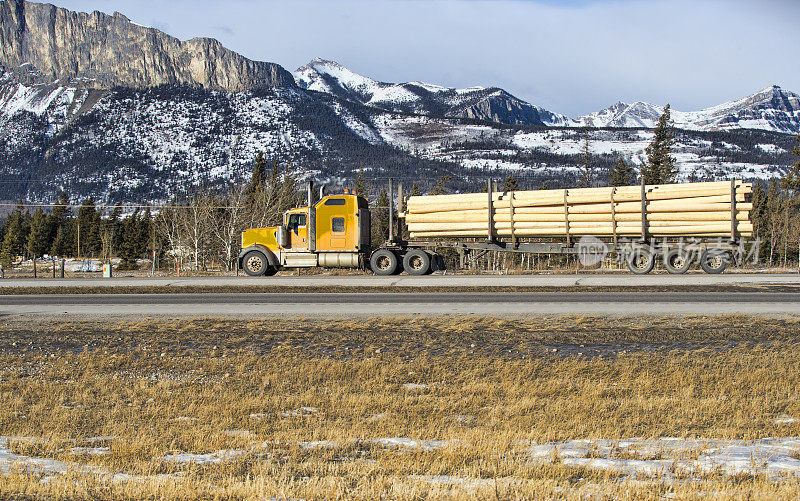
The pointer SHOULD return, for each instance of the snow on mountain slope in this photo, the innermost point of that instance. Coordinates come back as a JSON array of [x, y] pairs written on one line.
[[491, 104], [772, 109]]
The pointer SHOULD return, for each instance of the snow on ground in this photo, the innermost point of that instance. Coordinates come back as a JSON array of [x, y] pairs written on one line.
[[410, 443], [10, 462], [663, 457], [770, 148], [215, 457], [302, 411]]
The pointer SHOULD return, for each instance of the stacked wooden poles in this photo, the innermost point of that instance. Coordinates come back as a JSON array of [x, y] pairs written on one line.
[[689, 209]]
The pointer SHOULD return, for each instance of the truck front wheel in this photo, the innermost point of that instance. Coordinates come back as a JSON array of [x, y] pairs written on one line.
[[255, 263], [417, 262], [383, 262]]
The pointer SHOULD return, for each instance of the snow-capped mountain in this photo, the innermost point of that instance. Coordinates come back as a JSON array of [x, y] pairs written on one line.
[[771, 108], [169, 130], [491, 104]]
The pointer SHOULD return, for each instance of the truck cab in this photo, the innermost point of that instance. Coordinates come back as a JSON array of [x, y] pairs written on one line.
[[334, 232]]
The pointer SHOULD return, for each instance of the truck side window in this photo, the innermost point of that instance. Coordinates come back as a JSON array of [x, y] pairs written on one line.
[[296, 220], [337, 224]]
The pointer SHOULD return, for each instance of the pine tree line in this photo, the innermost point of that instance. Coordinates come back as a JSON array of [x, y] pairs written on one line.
[[64, 233]]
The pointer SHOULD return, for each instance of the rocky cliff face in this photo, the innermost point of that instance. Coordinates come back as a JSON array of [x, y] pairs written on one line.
[[111, 50]]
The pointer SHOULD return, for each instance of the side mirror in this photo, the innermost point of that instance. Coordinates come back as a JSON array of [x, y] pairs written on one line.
[[282, 236]]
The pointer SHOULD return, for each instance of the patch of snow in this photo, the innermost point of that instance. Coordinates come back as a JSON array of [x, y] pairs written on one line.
[[92, 451], [466, 482], [302, 411], [215, 457], [664, 456], [415, 386], [411, 443], [318, 444], [185, 419]]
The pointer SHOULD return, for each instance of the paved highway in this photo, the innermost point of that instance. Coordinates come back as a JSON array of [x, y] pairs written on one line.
[[622, 279], [350, 304]]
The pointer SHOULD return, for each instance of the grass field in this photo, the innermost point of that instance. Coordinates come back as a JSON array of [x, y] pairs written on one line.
[[402, 408]]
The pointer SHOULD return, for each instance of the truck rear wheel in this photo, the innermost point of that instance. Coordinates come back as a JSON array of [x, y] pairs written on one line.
[[383, 262], [714, 261], [255, 263], [677, 261], [417, 262], [640, 260]]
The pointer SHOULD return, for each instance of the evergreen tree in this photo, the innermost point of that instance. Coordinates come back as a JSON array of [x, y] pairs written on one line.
[[134, 239], [361, 185], [415, 191], [587, 177], [61, 244], [791, 181], [510, 184], [113, 225], [660, 167], [38, 241], [259, 176], [15, 236], [622, 174], [59, 227], [87, 226], [441, 185], [760, 213], [59, 214]]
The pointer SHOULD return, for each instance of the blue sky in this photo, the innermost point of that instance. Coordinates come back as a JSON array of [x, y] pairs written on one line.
[[572, 57]]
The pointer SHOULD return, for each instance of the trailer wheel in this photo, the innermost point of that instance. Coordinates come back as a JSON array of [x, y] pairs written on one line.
[[383, 262], [255, 263], [677, 261], [640, 260], [417, 262], [714, 261]]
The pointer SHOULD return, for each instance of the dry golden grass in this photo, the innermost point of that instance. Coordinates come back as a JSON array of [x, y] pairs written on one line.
[[486, 387]]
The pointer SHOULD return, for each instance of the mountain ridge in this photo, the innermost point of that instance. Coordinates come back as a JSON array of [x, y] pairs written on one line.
[[109, 50], [481, 103]]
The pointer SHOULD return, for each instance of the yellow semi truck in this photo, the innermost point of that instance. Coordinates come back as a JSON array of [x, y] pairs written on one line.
[[335, 233]]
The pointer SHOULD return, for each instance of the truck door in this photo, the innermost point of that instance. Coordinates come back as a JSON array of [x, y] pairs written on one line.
[[338, 232], [298, 231]]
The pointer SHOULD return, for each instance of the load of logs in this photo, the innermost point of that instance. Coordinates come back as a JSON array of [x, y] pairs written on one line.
[[712, 209]]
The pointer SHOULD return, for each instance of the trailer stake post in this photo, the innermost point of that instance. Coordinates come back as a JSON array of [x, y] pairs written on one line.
[[614, 217], [391, 210], [644, 210], [566, 216], [511, 208], [489, 211], [733, 209]]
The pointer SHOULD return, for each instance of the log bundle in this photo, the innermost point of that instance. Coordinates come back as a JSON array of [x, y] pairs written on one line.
[[712, 209]]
